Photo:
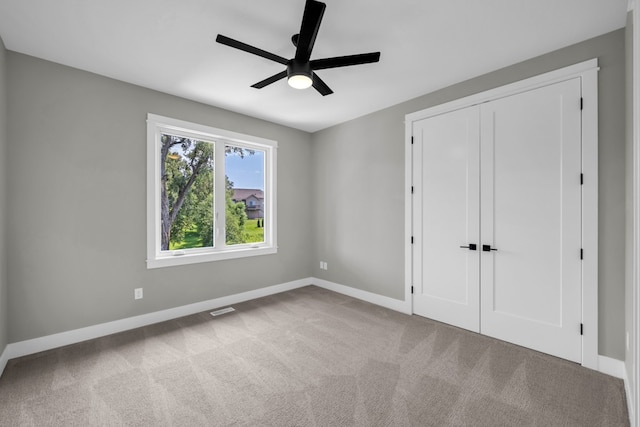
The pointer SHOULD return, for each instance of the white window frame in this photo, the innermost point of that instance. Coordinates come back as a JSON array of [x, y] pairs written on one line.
[[156, 125]]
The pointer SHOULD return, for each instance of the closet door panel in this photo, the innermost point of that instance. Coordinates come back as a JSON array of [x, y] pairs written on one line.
[[446, 217], [531, 219]]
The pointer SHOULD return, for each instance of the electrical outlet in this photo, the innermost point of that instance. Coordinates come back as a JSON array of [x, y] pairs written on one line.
[[325, 266], [137, 293], [321, 265]]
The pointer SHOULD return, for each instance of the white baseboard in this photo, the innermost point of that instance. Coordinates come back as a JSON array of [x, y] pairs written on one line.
[[49, 342], [627, 389], [4, 358], [613, 367], [390, 303]]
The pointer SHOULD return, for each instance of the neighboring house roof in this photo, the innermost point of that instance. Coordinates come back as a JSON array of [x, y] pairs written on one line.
[[245, 193]]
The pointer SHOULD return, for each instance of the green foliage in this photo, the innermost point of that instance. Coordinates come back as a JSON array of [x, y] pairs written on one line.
[[188, 192], [189, 188], [255, 233], [204, 220], [236, 218], [191, 240], [187, 181]]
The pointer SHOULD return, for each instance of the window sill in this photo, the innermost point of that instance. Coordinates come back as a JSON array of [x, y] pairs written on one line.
[[194, 258]]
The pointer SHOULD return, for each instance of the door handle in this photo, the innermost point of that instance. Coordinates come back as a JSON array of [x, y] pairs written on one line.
[[471, 247], [488, 248]]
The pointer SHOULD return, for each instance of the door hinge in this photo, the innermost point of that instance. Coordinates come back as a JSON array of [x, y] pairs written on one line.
[[581, 179], [412, 289], [412, 240], [581, 253], [411, 140], [581, 103], [581, 329], [412, 189]]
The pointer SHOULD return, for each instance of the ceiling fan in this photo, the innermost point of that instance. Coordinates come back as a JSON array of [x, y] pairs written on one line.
[[300, 69]]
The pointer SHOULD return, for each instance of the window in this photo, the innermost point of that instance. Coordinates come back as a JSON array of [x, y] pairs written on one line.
[[196, 176]]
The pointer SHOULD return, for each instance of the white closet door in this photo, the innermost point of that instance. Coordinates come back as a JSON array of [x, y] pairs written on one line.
[[446, 217], [531, 213]]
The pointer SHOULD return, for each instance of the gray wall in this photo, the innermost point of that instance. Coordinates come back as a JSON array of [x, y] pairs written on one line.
[[77, 202], [358, 180], [4, 319], [629, 356]]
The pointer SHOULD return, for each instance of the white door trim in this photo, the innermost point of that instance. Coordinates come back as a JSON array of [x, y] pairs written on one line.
[[634, 375], [590, 218], [587, 71], [566, 73]]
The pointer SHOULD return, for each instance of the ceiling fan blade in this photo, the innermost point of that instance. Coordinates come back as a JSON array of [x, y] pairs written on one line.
[[311, 19], [248, 48], [343, 61], [270, 80], [321, 86]]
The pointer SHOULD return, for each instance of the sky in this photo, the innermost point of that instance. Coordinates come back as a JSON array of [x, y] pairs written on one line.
[[247, 172]]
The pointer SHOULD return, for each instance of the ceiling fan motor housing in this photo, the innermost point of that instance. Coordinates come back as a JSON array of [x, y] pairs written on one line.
[[297, 68]]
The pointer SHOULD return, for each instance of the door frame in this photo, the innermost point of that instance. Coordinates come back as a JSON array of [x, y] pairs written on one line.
[[587, 71], [633, 353]]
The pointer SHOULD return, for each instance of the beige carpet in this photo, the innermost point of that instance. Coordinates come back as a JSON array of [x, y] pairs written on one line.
[[308, 357]]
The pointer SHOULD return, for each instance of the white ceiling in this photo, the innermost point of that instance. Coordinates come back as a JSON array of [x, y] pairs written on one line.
[[168, 45]]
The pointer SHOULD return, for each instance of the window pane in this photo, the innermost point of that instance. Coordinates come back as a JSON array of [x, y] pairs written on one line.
[[245, 201], [186, 193]]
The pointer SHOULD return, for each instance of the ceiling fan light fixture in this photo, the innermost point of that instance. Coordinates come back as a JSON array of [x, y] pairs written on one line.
[[300, 81], [299, 74]]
